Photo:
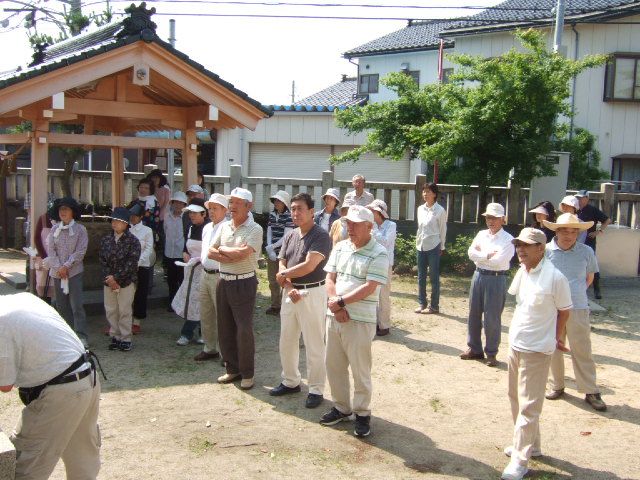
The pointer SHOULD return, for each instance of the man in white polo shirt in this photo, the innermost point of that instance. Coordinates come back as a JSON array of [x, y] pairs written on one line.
[[356, 269], [236, 247], [217, 206], [543, 303], [40, 354]]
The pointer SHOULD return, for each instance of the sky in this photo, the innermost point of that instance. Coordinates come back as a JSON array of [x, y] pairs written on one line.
[[261, 56]]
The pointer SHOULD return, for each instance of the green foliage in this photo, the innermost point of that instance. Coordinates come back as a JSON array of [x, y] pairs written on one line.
[[584, 165], [498, 114], [455, 259]]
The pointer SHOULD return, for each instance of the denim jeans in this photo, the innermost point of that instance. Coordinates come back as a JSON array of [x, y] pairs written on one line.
[[429, 259]]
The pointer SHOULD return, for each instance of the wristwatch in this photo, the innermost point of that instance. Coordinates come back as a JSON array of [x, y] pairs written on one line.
[[341, 303]]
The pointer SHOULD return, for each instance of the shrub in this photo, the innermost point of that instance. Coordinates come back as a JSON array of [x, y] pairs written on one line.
[[455, 259]]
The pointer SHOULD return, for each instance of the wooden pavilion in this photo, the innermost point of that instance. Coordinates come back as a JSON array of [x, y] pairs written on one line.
[[115, 82]]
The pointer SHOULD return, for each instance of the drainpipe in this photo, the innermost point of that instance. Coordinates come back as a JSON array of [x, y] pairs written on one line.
[[575, 79]]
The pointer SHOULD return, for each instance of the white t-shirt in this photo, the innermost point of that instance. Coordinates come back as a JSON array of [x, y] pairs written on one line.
[[540, 293], [324, 221], [37, 344], [145, 235]]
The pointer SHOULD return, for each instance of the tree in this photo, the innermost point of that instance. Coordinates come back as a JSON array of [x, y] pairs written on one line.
[[584, 162], [499, 115], [45, 23]]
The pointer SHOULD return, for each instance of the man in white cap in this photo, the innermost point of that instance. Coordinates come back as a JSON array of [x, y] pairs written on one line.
[[491, 251], [236, 247], [278, 226], [356, 270], [359, 195], [302, 259], [589, 213], [578, 263], [543, 303], [384, 231], [217, 206]]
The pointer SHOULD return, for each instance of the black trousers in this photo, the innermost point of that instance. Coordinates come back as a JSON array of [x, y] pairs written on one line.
[[175, 275], [142, 292]]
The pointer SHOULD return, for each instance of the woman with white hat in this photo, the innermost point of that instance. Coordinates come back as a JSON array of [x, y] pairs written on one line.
[[186, 303], [174, 243], [330, 212], [280, 223], [543, 211], [571, 204], [384, 231]]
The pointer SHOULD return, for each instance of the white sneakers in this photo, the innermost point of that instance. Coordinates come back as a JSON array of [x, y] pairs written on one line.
[[182, 341], [535, 453], [514, 471]]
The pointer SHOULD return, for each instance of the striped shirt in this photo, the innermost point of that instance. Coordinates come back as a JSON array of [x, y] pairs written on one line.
[[355, 267], [277, 223], [250, 234]]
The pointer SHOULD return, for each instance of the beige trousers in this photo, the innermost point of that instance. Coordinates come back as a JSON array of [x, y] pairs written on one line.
[[308, 317], [119, 310], [349, 345], [528, 372], [61, 423], [274, 287], [208, 311], [384, 304], [584, 368]]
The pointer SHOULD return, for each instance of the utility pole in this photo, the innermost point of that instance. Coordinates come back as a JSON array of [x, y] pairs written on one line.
[[557, 41], [293, 92]]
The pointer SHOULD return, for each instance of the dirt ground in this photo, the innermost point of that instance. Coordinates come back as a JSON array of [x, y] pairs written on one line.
[[434, 416]]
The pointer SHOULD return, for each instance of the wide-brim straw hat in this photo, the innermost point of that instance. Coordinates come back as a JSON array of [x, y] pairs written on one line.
[[567, 220]]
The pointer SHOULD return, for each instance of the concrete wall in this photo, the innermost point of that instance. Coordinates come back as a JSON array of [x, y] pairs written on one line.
[[618, 252]]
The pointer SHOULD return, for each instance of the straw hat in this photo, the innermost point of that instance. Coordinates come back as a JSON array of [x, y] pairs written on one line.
[[567, 220]]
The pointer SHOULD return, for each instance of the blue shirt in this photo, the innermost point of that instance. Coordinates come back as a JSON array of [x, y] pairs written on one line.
[[574, 264]]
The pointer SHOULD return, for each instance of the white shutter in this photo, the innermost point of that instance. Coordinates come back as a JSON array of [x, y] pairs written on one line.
[[287, 160], [374, 168]]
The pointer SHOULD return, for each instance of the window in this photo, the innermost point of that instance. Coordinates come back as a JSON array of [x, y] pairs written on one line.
[[415, 74], [446, 75], [622, 78], [368, 83]]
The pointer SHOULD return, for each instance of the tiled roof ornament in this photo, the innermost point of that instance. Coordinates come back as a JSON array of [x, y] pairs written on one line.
[[39, 53], [139, 23]]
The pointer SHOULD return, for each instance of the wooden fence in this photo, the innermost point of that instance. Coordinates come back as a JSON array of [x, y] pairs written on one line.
[[462, 203]]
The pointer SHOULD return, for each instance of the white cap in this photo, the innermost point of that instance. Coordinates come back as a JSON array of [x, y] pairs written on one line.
[[283, 196], [195, 188], [333, 192], [530, 236], [179, 197], [540, 209], [241, 193], [379, 206], [194, 208], [219, 199], [494, 210], [571, 201], [358, 213]]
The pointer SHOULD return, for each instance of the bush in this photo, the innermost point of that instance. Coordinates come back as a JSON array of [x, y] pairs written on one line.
[[455, 259]]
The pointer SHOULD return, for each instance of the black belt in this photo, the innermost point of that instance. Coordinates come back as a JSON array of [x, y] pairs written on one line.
[[306, 286], [495, 273], [211, 272], [73, 377]]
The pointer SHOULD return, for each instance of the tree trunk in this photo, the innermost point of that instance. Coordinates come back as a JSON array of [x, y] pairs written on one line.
[[67, 176]]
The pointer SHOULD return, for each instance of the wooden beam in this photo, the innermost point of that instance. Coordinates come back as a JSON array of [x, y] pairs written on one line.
[[189, 157], [111, 141], [106, 108], [38, 177], [121, 87], [117, 177], [14, 138]]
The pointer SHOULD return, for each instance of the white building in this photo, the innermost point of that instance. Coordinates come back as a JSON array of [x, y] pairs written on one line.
[[606, 99]]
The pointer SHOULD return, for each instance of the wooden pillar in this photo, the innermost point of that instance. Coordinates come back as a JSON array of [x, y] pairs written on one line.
[[608, 199], [39, 180], [117, 177], [190, 158]]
